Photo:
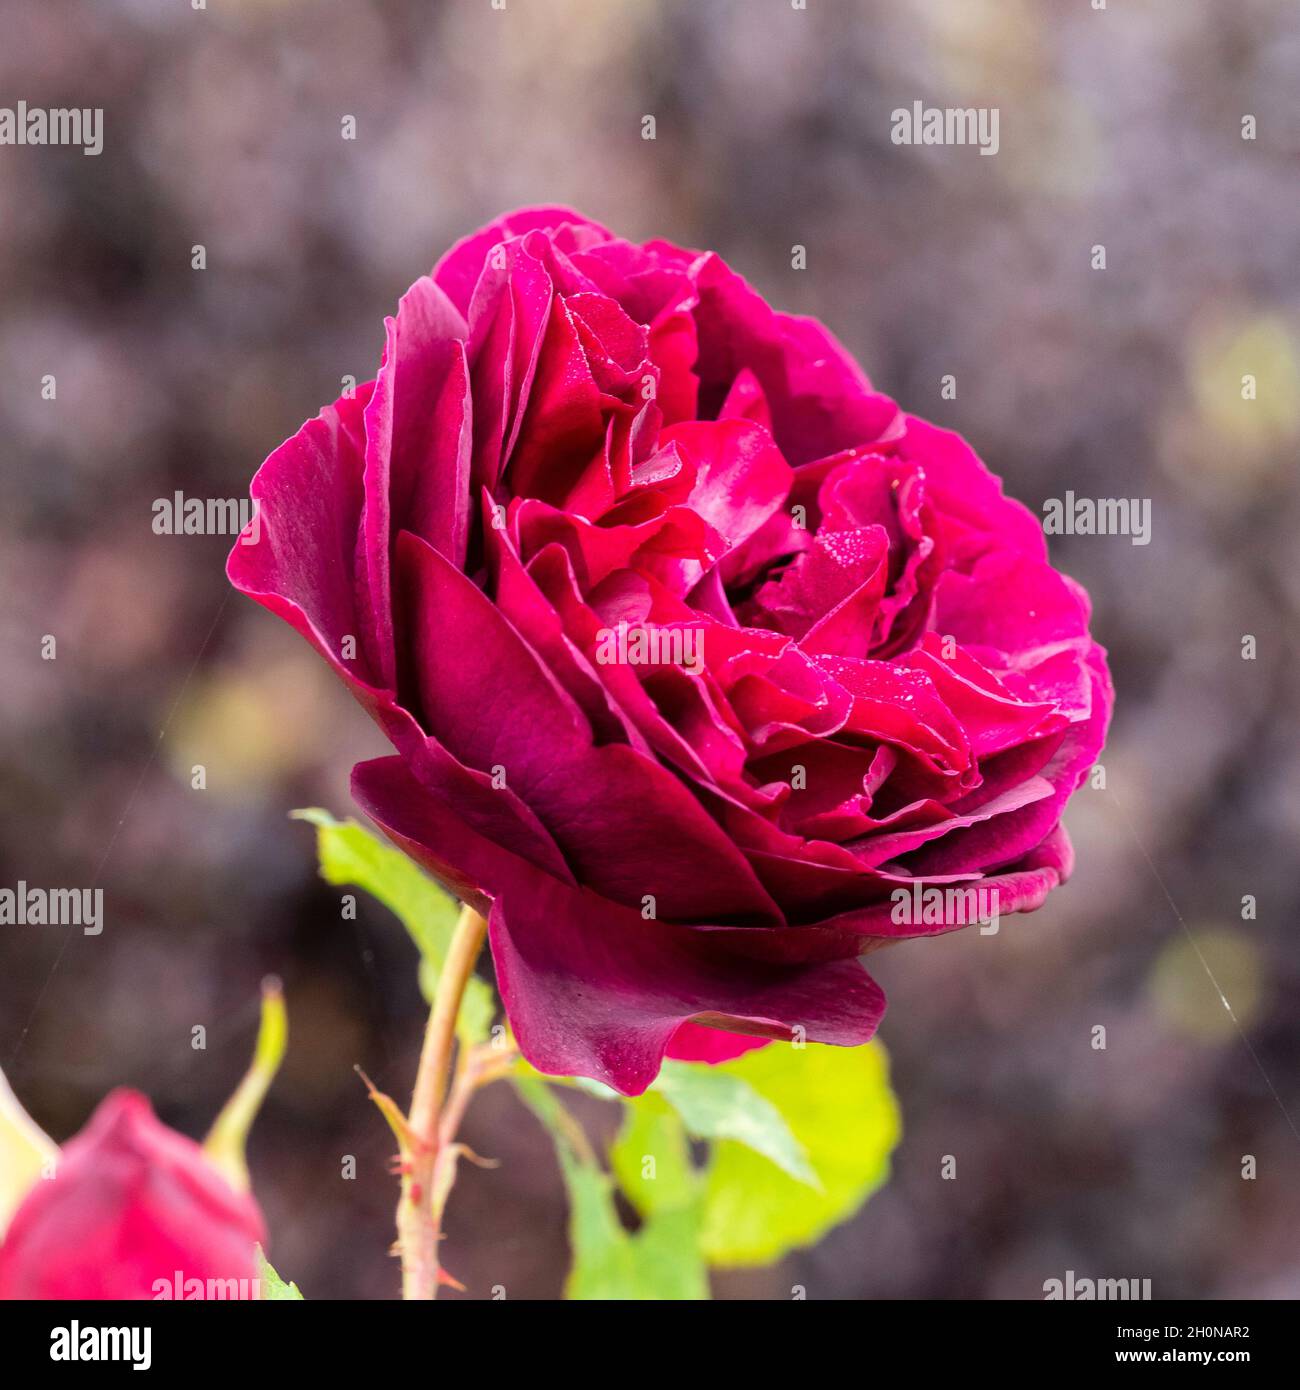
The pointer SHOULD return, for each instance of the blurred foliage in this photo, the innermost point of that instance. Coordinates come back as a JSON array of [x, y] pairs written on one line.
[[1198, 975], [660, 1261]]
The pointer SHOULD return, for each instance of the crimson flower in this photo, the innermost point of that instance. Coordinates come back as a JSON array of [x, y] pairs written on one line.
[[695, 649]]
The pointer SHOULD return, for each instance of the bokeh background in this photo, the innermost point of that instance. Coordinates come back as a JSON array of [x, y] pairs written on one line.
[[1119, 127]]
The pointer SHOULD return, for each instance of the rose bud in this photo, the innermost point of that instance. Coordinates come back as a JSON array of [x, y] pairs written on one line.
[[130, 1209], [708, 669], [133, 1203]]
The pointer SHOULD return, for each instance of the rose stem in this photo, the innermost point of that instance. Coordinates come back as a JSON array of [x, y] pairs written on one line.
[[417, 1223]]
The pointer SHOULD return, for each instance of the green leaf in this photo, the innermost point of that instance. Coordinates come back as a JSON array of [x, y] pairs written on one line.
[[717, 1104], [838, 1104], [350, 854], [660, 1261], [651, 1158], [273, 1289]]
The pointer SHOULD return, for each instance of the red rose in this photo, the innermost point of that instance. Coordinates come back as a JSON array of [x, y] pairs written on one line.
[[695, 649]]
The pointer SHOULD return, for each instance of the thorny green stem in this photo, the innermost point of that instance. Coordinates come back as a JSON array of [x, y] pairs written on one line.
[[429, 1166]]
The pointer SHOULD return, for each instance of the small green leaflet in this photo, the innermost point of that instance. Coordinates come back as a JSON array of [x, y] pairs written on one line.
[[839, 1106], [799, 1138], [350, 854], [271, 1288], [714, 1104], [660, 1261], [717, 1104], [651, 1158]]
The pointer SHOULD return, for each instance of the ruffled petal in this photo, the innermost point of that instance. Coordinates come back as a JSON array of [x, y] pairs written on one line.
[[594, 990], [626, 824], [458, 271]]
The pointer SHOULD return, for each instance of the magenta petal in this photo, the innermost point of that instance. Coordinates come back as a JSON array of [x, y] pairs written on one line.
[[626, 824], [1002, 840], [819, 398], [693, 1042], [459, 270], [473, 866], [741, 478], [593, 990], [561, 427], [976, 514], [1012, 604], [880, 848], [526, 607], [1022, 887], [993, 719], [417, 449], [299, 559], [507, 321]]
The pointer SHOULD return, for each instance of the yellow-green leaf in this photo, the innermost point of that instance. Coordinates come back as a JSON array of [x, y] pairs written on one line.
[[271, 1288], [660, 1261], [838, 1104], [651, 1158], [717, 1104], [27, 1153], [350, 854]]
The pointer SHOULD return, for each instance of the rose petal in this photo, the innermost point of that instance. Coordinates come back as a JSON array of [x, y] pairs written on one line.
[[593, 990], [626, 825]]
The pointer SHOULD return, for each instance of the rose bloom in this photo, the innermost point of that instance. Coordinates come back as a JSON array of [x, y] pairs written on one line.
[[694, 648], [133, 1207]]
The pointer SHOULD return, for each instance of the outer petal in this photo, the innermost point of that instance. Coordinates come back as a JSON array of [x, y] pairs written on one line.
[[590, 987], [1004, 839], [418, 423], [975, 513], [820, 399], [593, 990], [299, 557], [693, 1042], [458, 271], [1022, 887], [473, 866], [417, 450]]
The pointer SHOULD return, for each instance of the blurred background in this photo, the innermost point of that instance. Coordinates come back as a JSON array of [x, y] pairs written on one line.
[[1119, 127]]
